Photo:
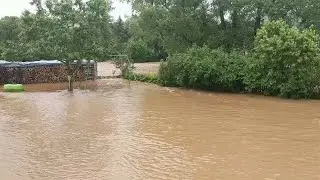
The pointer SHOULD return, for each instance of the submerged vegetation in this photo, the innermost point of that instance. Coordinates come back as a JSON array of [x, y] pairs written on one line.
[[262, 46], [149, 78]]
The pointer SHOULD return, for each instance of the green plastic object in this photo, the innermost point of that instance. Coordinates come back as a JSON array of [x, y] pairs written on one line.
[[13, 88]]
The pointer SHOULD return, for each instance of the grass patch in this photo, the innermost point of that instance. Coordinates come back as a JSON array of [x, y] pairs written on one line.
[[149, 78]]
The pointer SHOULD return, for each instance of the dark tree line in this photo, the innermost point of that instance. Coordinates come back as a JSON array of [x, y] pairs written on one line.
[[68, 29]]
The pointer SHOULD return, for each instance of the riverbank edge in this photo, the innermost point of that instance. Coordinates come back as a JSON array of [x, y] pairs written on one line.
[[148, 78], [153, 78]]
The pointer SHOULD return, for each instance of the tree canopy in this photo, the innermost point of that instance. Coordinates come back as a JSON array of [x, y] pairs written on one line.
[[73, 29], [60, 29]]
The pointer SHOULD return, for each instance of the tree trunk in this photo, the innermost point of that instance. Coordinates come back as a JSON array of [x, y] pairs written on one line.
[[70, 82], [258, 19], [71, 70], [303, 23], [70, 78], [221, 15], [205, 34], [234, 26]]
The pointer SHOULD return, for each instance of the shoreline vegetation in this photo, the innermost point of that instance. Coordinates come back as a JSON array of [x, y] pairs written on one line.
[[285, 63]]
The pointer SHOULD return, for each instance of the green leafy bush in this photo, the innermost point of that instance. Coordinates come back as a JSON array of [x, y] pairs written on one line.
[[167, 73], [286, 62], [150, 78], [203, 68]]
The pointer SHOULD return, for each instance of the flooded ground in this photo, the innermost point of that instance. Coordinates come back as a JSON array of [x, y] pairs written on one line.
[[110, 130]]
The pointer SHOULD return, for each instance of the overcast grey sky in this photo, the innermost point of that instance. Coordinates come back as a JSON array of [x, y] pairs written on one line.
[[16, 7]]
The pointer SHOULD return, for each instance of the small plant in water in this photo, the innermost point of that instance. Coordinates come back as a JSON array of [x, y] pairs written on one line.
[[123, 64]]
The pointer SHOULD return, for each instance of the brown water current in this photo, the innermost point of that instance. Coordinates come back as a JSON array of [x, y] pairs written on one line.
[[110, 130]]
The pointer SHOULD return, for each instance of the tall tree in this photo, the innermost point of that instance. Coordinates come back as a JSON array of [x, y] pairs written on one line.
[[9, 31], [121, 34], [66, 30]]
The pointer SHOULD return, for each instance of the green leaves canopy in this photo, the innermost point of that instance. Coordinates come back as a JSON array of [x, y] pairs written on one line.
[[286, 61], [231, 24], [64, 30]]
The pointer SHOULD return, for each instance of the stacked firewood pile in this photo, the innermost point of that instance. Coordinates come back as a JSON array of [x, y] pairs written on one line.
[[34, 74]]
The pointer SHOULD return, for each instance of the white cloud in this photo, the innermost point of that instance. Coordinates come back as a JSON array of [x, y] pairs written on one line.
[[13, 7], [120, 9], [16, 7]]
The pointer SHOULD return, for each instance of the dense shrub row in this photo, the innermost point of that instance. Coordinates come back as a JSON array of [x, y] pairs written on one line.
[[285, 62], [203, 68]]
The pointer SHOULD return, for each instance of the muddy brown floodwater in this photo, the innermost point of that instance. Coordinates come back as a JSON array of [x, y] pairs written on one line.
[[110, 130]]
